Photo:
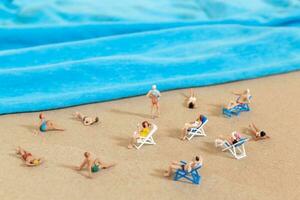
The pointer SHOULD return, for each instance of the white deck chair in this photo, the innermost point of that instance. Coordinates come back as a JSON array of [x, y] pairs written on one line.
[[238, 149], [197, 131], [146, 140]]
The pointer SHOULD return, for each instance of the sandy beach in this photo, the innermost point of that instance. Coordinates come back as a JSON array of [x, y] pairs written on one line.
[[270, 170]]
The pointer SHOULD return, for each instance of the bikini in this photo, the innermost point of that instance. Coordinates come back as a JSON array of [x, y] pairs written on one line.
[[26, 155]]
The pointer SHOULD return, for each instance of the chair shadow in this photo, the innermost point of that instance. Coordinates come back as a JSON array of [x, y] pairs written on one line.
[[72, 167], [123, 142], [210, 148], [174, 133], [131, 113], [159, 173], [217, 110]]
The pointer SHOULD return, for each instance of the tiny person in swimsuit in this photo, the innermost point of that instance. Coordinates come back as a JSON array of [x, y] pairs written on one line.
[[199, 121], [28, 158], [154, 95], [191, 102], [243, 97], [87, 121], [175, 165], [93, 165], [233, 139], [141, 132], [47, 125], [258, 134]]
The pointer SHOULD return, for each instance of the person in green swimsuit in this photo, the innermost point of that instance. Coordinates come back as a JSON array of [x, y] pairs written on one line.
[[93, 165]]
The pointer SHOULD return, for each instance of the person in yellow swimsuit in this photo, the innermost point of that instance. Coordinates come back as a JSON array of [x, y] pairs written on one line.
[[140, 133]]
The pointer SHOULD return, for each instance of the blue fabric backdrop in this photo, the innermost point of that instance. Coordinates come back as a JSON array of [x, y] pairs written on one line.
[[59, 53]]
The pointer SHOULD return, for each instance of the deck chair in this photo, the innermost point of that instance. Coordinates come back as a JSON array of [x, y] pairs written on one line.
[[238, 149], [146, 140], [243, 107], [192, 176], [197, 131]]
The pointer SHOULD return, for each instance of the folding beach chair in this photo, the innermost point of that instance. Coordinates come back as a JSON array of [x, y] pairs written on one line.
[[197, 131], [238, 149], [192, 176], [243, 107], [146, 140]]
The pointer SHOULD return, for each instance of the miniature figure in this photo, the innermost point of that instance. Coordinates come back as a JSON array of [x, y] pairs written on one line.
[[198, 122], [154, 95], [47, 125], [191, 102], [141, 132], [87, 121], [28, 158], [175, 165], [93, 165], [258, 134]]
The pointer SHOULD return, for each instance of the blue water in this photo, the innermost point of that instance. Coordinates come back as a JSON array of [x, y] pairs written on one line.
[[60, 53]]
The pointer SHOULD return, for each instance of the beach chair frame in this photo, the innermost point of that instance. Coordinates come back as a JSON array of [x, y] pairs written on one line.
[[243, 107], [192, 176], [197, 131], [146, 140], [238, 149]]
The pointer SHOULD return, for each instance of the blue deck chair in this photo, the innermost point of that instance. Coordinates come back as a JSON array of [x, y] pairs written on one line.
[[243, 107], [192, 176]]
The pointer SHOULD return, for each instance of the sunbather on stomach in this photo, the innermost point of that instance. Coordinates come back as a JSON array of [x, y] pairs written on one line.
[[141, 132], [175, 165], [200, 120], [28, 158]]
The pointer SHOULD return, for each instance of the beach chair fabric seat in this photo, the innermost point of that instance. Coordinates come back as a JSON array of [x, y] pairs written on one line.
[[192, 176]]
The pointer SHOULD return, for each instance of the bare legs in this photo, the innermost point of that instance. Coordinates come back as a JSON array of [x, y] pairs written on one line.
[[187, 126], [172, 167], [85, 119], [52, 127], [155, 109], [133, 140]]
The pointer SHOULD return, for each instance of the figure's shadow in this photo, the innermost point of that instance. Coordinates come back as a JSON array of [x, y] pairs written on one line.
[[30, 128], [159, 173], [174, 133], [216, 109], [210, 148], [123, 112], [73, 168], [121, 141]]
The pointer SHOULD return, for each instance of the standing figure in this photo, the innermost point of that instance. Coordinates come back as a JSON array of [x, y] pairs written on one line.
[[154, 95]]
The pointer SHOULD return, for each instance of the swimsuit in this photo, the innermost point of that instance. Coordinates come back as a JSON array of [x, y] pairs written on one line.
[[43, 126], [26, 155], [95, 168], [144, 132]]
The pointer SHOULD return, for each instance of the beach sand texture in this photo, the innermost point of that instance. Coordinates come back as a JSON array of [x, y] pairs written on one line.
[[270, 170]]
